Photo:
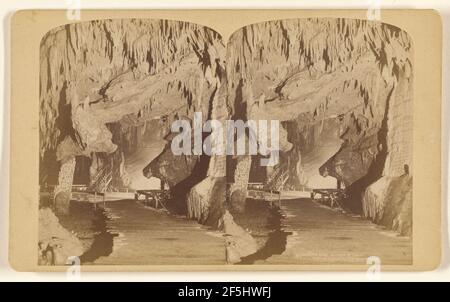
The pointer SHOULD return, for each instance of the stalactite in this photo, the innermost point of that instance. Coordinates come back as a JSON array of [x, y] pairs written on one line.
[[72, 54]]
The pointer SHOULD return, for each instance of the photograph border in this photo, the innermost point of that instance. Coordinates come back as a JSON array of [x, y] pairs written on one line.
[[29, 26]]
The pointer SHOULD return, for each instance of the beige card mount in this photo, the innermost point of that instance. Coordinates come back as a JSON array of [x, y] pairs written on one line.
[[186, 140]]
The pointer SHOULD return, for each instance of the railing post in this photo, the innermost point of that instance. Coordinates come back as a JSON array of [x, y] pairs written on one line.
[[279, 199]]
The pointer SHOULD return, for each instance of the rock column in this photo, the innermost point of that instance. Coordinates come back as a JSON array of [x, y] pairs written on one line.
[[63, 190], [238, 191]]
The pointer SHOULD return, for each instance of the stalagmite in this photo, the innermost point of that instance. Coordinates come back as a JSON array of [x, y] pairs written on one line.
[[63, 190], [239, 243], [238, 190]]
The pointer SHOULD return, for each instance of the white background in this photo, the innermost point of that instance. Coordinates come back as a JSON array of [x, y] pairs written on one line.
[[7, 7]]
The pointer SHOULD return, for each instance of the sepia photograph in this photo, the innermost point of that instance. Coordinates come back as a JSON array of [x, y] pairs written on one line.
[[223, 149], [162, 143]]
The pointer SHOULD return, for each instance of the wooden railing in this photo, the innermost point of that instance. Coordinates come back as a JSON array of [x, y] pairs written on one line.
[[329, 197], [154, 198], [102, 180], [277, 180]]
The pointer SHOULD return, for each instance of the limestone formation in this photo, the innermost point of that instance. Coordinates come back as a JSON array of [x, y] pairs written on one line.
[[239, 243], [63, 190], [389, 202], [56, 244]]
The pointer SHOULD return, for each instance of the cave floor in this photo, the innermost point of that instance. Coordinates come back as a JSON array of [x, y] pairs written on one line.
[[315, 235], [145, 236], [320, 235]]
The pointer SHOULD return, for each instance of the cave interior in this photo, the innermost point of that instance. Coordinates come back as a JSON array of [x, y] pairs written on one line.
[[341, 89]]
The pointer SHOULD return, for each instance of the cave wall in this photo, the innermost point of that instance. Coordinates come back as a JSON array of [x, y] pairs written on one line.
[[316, 141], [140, 144], [400, 125], [388, 200]]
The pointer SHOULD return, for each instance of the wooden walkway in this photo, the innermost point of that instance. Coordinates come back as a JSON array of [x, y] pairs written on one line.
[[97, 198], [319, 235], [149, 237]]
